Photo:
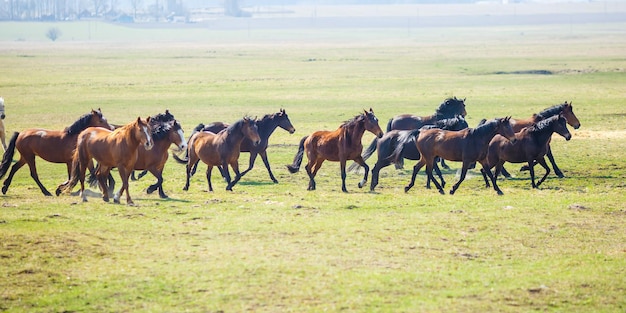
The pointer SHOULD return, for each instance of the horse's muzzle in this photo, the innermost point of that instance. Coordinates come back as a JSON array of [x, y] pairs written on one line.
[[291, 131], [256, 143], [148, 146], [2, 116], [568, 137]]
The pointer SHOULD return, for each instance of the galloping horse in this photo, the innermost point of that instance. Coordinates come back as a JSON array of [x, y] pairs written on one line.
[[529, 145], [117, 148], [165, 132], [396, 145], [221, 149], [340, 145], [51, 145], [468, 145], [3, 134], [568, 112], [266, 126], [449, 108]]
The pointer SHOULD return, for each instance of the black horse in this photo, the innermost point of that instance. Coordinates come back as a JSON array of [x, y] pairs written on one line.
[[396, 145], [266, 126], [449, 108]]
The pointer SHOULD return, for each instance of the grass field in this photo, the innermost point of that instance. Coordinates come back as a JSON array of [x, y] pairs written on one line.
[[279, 248]]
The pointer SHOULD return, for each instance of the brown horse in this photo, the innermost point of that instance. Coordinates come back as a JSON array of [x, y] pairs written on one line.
[[468, 146], [165, 132], [529, 145], [568, 112], [340, 145], [221, 149], [266, 126], [449, 108], [51, 145], [111, 149]]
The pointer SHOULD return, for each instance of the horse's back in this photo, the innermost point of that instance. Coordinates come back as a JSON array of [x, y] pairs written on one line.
[[206, 146], [51, 145], [443, 143], [406, 122]]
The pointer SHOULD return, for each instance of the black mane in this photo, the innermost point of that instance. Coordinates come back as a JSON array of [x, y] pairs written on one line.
[[82, 123], [551, 111], [486, 127]]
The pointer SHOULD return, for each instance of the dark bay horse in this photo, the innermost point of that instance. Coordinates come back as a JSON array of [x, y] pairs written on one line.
[[165, 132], [396, 145], [564, 108], [468, 146], [51, 145], [340, 145], [117, 148], [221, 149], [529, 145], [449, 108], [266, 126]]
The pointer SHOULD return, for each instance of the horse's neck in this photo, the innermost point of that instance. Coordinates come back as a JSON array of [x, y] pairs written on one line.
[[542, 136], [266, 127], [234, 137], [355, 132], [484, 136]]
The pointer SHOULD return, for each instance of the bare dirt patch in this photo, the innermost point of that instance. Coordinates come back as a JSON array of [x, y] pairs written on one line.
[[593, 134]]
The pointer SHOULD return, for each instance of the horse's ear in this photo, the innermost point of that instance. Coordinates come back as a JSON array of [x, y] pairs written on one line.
[[148, 120], [371, 110]]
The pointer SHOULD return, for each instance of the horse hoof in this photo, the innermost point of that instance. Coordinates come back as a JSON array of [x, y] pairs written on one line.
[[4, 191], [275, 181], [443, 193], [47, 194], [500, 193], [406, 189], [57, 192], [560, 175], [163, 196]]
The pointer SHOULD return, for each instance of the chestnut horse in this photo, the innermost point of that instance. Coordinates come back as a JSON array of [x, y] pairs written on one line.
[[51, 145], [117, 148], [165, 132], [468, 145], [221, 149], [340, 145], [396, 145], [449, 108], [529, 145], [266, 126], [568, 112]]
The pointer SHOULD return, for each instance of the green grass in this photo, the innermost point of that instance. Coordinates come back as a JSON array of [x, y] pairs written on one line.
[[269, 248]]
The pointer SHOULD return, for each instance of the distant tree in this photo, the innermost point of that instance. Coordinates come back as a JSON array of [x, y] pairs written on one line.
[[231, 8], [135, 4], [53, 33]]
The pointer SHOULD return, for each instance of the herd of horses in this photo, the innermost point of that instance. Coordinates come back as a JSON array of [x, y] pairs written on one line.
[[92, 144]]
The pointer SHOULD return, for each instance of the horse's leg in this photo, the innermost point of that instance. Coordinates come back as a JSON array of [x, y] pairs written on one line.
[[267, 165], [438, 171], [416, 169], [3, 137], [209, 170], [485, 177], [81, 178], [543, 163], [102, 180], [342, 167], [557, 171], [124, 175], [251, 163], [235, 166], [505, 173], [14, 168], [445, 166], [359, 160], [429, 175], [311, 169], [35, 176], [486, 170], [462, 178], [380, 164], [192, 163], [159, 184]]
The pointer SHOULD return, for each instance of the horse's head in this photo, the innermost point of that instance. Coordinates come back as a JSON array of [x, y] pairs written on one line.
[[560, 127], [98, 120], [2, 115], [250, 130], [143, 133], [371, 123], [504, 128], [178, 136], [568, 113], [284, 122], [451, 107]]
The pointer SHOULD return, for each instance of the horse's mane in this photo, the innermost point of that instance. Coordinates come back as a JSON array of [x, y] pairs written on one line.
[[543, 124], [353, 120], [484, 128], [80, 124], [161, 117], [452, 122], [551, 111], [237, 125], [161, 130]]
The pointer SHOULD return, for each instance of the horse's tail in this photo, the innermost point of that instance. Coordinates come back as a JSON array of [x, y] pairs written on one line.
[[297, 160], [74, 174], [7, 158], [365, 155], [398, 150], [93, 178]]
